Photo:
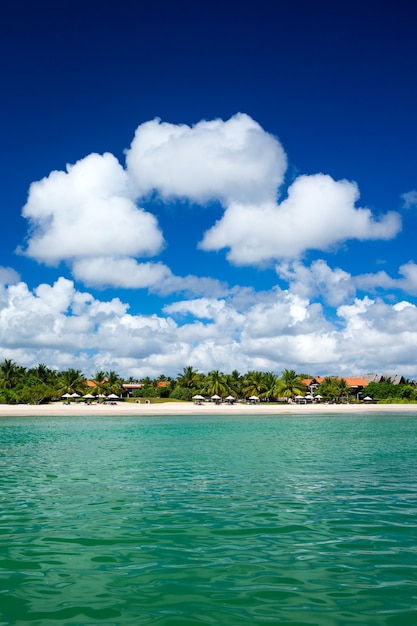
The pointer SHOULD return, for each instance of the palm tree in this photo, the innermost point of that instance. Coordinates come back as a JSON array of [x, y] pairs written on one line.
[[233, 385], [43, 374], [254, 384], [114, 383], [70, 381], [190, 378], [289, 385], [216, 384], [100, 383], [10, 374], [270, 383], [343, 389]]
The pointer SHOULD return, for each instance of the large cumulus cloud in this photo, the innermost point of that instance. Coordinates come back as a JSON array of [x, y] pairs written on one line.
[[86, 211], [64, 327], [90, 215], [318, 213], [227, 161]]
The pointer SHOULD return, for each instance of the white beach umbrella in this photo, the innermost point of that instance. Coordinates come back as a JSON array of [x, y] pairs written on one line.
[[215, 397], [198, 397], [66, 395], [253, 398], [230, 397], [89, 396], [368, 398], [75, 395], [113, 396]]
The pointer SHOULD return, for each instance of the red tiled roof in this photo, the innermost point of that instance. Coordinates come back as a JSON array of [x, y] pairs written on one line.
[[357, 382], [308, 381], [351, 381]]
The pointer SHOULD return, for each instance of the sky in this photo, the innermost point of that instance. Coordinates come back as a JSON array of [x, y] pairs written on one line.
[[222, 185]]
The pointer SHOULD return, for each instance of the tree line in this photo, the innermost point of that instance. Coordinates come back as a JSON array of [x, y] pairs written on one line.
[[42, 384]]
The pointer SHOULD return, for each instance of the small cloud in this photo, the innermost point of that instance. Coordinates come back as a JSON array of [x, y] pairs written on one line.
[[8, 276], [410, 199], [319, 280], [124, 272]]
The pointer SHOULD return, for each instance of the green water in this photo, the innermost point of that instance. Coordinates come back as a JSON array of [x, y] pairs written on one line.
[[196, 520]]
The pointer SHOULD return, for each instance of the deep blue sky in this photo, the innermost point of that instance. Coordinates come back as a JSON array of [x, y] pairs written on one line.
[[334, 83]]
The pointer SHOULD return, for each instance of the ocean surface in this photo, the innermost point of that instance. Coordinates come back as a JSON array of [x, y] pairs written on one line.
[[224, 521]]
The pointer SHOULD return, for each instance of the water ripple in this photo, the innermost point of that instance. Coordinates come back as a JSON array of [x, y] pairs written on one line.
[[176, 521]]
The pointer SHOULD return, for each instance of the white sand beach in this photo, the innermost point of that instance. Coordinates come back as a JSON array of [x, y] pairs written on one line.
[[206, 408]]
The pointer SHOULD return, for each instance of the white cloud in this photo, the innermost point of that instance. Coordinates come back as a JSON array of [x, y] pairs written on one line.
[[409, 281], [87, 215], [63, 327], [381, 280], [86, 212], [119, 272], [318, 280], [191, 285], [410, 199], [318, 213], [227, 161], [8, 276], [373, 281]]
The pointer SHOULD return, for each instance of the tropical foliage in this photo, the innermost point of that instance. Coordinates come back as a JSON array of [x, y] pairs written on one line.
[[334, 389], [42, 384], [290, 385]]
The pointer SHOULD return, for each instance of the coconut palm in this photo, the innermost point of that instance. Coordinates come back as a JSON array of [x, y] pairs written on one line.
[[329, 388], [190, 378], [343, 389], [100, 383], [270, 383], [216, 384], [233, 385], [43, 374], [70, 381], [114, 383], [254, 384], [289, 385], [10, 374]]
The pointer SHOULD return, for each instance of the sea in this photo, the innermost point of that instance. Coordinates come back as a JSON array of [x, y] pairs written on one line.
[[209, 520]]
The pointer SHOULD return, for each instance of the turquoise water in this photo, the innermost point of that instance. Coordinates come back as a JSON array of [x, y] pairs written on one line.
[[196, 520]]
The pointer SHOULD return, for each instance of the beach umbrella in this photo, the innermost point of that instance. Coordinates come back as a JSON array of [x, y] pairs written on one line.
[[367, 398], [88, 396], [309, 397], [230, 397], [75, 395], [215, 397], [198, 397], [253, 398], [318, 396], [66, 395], [113, 396]]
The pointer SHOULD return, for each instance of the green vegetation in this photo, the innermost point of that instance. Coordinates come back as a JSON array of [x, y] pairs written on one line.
[[41, 384], [388, 392], [335, 390]]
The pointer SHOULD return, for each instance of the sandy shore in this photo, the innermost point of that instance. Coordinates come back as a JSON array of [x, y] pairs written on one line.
[[208, 408]]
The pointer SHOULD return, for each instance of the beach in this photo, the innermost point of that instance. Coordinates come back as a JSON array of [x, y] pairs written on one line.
[[206, 408]]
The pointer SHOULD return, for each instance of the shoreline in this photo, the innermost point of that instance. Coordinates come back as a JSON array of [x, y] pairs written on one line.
[[121, 409]]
